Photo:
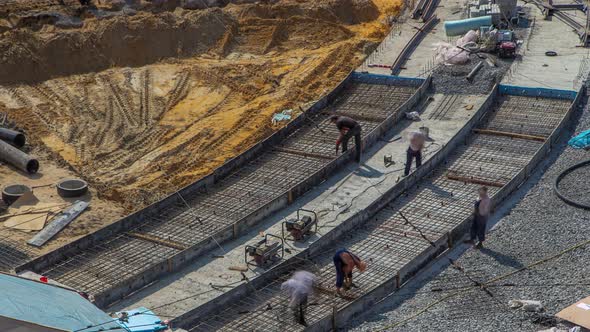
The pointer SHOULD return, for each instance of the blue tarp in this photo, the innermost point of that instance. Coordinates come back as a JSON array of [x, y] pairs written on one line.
[[142, 320], [581, 141], [50, 306]]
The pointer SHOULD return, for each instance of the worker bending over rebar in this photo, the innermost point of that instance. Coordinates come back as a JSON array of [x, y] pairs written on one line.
[[348, 128], [481, 213], [414, 151], [299, 287], [345, 262]]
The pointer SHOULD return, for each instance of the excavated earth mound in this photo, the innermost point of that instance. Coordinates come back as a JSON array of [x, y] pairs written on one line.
[[144, 100]]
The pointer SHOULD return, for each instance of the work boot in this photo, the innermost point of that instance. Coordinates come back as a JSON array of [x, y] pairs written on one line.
[[479, 245]]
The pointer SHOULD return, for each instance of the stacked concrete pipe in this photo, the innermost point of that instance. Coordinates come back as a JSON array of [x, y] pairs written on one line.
[[15, 157]]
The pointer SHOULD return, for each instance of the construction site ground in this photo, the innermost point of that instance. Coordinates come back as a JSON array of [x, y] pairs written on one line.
[[140, 120], [559, 82], [344, 194], [180, 114], [534, 68]]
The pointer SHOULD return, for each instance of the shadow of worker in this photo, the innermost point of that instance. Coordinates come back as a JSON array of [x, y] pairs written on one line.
[[502, 259]]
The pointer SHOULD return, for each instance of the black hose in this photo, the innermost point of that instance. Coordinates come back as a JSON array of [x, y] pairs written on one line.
[[561, 176]]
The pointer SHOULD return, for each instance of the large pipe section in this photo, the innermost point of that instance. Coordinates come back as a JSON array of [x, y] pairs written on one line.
[[460, 27], [13, 137], [17, 158]]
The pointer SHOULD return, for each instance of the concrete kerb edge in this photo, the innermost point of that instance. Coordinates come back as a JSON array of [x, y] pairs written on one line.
[[445, 242], [327, 239], [524, 91]]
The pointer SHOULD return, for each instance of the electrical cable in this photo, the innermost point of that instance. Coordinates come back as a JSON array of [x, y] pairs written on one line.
[[560, 177]]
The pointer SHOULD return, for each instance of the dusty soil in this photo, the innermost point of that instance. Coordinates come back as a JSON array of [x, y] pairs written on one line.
[[142, 105]]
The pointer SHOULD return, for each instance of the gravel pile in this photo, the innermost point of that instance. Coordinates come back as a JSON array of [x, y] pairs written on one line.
[[534, 224], [449, 79]]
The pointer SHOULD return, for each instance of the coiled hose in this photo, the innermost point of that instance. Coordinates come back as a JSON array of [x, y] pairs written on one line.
[[561, 176]]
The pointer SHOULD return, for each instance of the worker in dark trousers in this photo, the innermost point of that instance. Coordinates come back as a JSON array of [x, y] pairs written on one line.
[[414, 151], [345, 262], [481, 214], [299, 287], [348, 128]]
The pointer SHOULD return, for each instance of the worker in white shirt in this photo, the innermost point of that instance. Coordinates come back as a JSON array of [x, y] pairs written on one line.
[[417, 140], [299, 287]]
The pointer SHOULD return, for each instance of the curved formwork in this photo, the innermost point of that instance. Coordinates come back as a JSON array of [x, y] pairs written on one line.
[[137, 250], [517, 131]]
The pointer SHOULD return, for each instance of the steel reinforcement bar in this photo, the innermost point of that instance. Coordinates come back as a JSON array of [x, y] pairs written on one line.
[[318, 247], [412, 44], [437, 206], [114, 263]]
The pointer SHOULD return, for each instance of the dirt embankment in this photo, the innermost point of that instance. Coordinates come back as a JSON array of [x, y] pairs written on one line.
[[212, 82], [101, 44], [145, 38]]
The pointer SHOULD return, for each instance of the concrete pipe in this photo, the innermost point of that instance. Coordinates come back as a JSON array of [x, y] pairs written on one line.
[[13, 137], [17, 158]]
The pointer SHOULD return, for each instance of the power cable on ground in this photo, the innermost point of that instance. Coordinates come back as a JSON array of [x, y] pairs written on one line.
[[558, 180]]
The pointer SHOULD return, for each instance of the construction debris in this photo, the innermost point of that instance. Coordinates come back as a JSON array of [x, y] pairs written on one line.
[[414, 116], [284, 116], [526, 305], [577, 313], [28, 214], [58, 224], [474, 71], [238, 268]]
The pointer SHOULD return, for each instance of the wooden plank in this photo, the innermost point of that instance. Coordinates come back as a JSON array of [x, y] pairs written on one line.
[[304, 154], [158, 240], [58, 223], [509, 134], [470, 179], [332, 292], [360, 117]]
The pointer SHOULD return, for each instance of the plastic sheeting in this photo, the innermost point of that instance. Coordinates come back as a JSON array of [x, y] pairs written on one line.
[[456, 54], [142, 320], [581, 141], [47, 305]]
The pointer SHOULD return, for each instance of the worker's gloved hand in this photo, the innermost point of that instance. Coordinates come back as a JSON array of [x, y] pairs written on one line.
[[336, 149]]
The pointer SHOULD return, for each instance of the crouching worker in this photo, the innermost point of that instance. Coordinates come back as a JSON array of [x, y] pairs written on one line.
[[345, 262], [299, 287], [348, 128]]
